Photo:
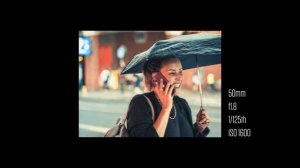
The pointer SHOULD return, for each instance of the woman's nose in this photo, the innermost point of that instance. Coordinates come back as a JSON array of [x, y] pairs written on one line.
[[178, 77]]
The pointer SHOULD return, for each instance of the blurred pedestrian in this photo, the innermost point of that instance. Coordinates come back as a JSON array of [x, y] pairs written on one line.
[[122, 83], [137, 84], [211, 82], [104, 78]]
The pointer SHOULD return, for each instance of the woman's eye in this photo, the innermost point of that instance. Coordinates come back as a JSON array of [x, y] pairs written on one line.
[[171, 74]]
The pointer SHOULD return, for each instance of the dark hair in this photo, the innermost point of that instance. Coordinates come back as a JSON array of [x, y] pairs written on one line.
[[153, 65]]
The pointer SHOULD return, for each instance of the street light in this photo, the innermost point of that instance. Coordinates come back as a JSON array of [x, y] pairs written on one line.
[[90, 33], [173, 33], [121, 51]]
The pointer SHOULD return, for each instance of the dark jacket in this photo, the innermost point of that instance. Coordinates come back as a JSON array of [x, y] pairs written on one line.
[[140, 123]]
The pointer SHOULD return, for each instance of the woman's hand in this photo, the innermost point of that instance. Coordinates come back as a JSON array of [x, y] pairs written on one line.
[[202, 120], [164, 94]]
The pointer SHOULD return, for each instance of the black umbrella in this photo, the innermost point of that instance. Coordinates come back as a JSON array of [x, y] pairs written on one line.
[[193, 50]]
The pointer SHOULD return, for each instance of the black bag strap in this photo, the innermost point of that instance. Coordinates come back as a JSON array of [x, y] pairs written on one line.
[[151, 106]]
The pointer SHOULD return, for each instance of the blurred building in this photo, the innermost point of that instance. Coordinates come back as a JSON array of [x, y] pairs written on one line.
[[105, 45], [105, 56]]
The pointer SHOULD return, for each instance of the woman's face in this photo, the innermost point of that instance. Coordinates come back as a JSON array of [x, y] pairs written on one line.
[[172, 70]]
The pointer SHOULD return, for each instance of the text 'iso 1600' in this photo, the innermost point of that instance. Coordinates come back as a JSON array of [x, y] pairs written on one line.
[[236, 120]]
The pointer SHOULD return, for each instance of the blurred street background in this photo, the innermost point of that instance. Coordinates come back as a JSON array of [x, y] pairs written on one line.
[[104, 95]]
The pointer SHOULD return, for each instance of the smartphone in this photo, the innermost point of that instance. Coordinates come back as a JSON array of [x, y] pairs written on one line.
[[156, 78]]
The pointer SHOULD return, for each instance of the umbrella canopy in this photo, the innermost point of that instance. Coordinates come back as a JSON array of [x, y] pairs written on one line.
[[193, 50]]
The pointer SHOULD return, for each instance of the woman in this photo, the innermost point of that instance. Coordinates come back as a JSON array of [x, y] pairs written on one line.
[[172, 114]]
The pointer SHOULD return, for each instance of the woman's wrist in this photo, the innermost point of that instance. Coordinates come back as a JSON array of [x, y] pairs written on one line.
[[166, 109]]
